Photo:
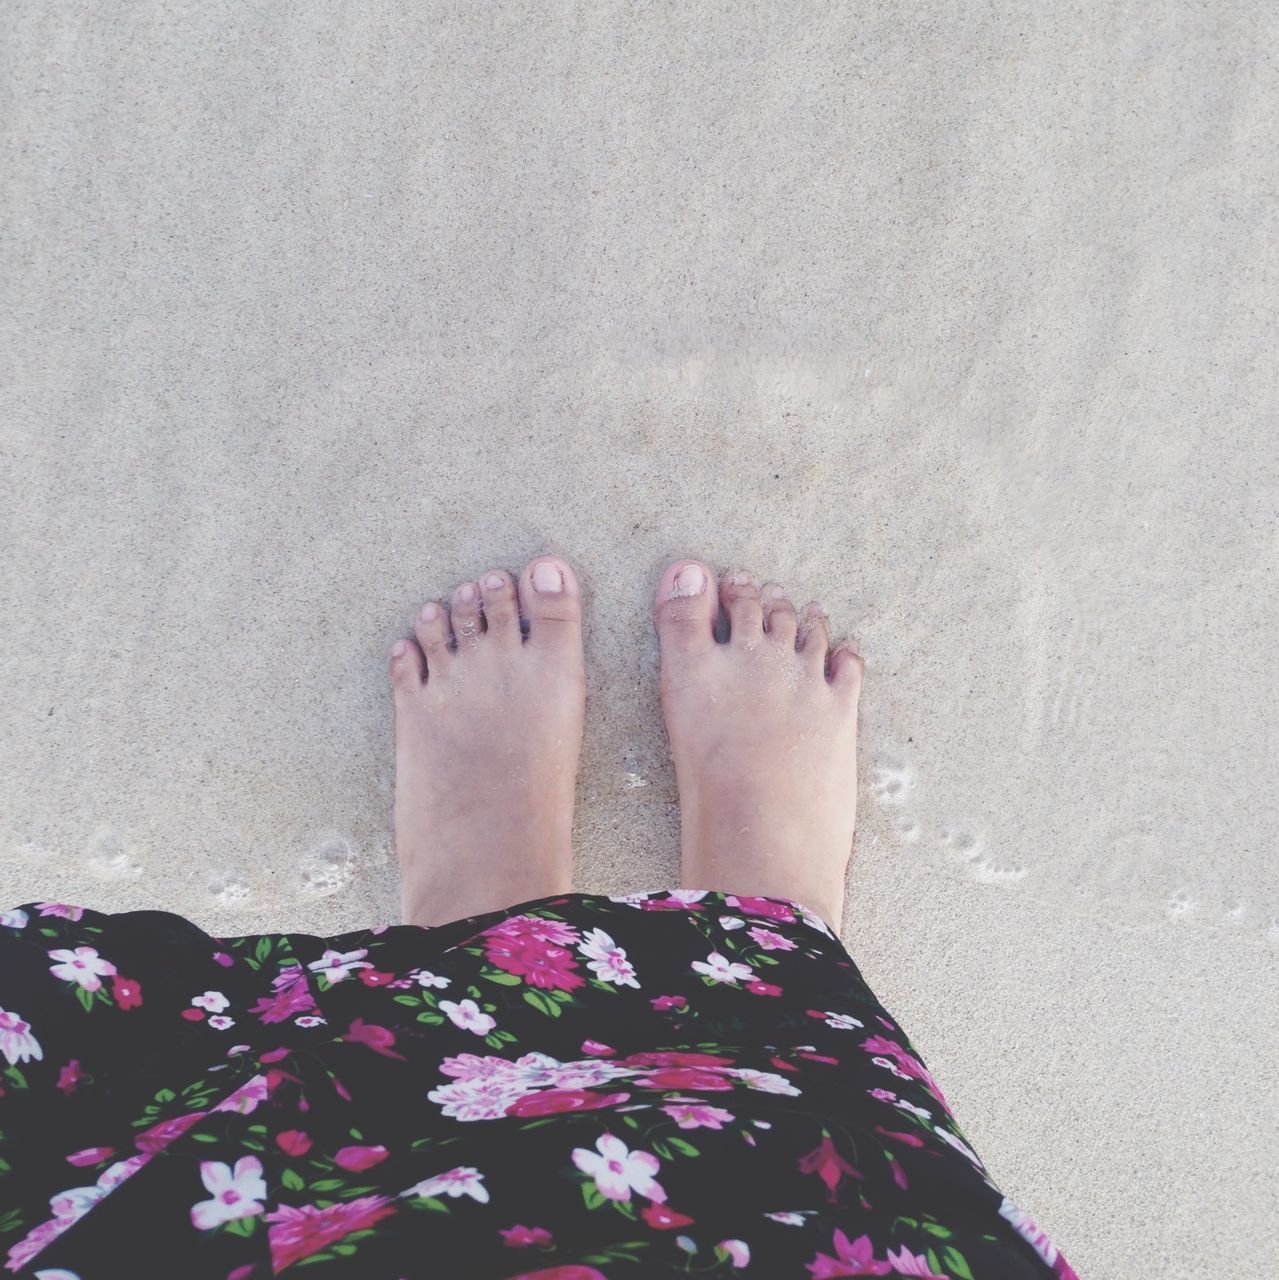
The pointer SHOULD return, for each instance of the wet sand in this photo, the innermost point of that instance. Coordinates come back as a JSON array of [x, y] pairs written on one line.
[[963, 324]]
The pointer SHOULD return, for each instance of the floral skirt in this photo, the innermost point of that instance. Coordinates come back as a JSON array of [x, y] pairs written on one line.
[[667, 1083]]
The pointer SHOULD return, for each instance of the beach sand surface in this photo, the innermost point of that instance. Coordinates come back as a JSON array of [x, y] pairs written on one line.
[[960, 319]]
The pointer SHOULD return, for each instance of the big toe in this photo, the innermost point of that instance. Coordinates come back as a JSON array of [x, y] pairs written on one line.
[[551, 602], [685, 607]]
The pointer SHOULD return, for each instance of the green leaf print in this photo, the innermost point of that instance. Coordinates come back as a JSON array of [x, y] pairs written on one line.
[[542, 1004], [15, 1077], [292, 1181], [591, 1195], [85, 998], [686, 1148], [241, 1227], [936, 1229], [411, 1001], [502, 979], [262, 950], [956, 1263]]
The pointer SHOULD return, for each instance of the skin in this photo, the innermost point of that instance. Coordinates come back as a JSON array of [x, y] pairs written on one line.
[[488, 732]]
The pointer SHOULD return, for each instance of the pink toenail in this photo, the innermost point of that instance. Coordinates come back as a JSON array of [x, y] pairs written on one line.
[[399, 648], [430, 611], [689, 581], [775, 593], [466, 592], [740, 579], [494, 581], [546, 577]]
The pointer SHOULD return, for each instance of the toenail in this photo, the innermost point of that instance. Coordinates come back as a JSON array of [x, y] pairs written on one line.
[[399, 648], [689, 581], [775, 593], [546, 577], [466, 592], [740, 579], [494, 581], [430, 611]]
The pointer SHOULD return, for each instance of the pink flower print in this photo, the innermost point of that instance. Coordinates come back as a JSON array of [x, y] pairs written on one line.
[[669, 1002], [617, 1171], [297, 1233], [770, 940], [17, 1044], [468, 1016], [518, 1236], [1037, 1238], [83, 966], [829, 1166], [357, 1159], [762, 907], [338, 965], [853, 1258], [63, 909], [685, 1078], [597, 1050], [540, 964], [906, 1263], [547, 1102], [246, 1099], [158, 1136], [236, 1193], [761, 988], [736, 1251], [292, 997], [126, 992], [90, 1155], [379, 1039], [462, 1181], [697, 1115]]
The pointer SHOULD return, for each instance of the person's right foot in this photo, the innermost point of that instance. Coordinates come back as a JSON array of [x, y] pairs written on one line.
[[763, 732]]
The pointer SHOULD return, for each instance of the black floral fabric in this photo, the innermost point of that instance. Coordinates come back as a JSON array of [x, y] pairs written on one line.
[[678, 1082]]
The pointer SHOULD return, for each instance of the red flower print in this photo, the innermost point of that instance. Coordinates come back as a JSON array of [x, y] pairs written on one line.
[[663, 1217], [540, 964], [357, 1159], [828, 1165], [855, 1258], [193, 1015], [669, 1002], [90, 1155], [375, 978], [70, 1076], [910, 1139], [761, 988], [297, 1233], [379, 1039], [763, 907], [552, 1101], [126, 992], [293, 1142], [684, 1078], [594, 1049], [517, 1237], [675, 1058]]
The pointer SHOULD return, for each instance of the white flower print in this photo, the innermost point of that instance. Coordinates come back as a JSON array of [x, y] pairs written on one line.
[[83, 965], [16, 1041], [468, 1016], [426, 978], [213, 1001], [922, 1112], [14, 919], [958, 1143], [309, 1020], [787, 1217], [337, 965], [220, 1023], [764, 1081], [617, 1170], [607, 960], [720, 968], [462, 1181], [236, 1193], [842, 1021], [732, 922]]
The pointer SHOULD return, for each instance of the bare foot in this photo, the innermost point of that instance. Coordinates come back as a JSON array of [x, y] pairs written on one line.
[[763, 732], [488, 729]]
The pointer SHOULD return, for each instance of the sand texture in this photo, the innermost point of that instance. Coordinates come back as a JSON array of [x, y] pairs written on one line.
[[959, 318]]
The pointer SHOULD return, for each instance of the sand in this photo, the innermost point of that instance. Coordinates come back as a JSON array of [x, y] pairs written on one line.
[[961, 319]]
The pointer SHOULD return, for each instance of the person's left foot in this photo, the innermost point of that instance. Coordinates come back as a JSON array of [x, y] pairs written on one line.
[[488, 729]]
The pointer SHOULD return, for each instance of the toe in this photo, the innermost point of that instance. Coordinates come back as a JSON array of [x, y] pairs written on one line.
[[779, 614], [685, 607], [814, 636], [847, 669], [433, 634], [551, 601], [468, 622], [408, 669], [740, 597], [501, 610]]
